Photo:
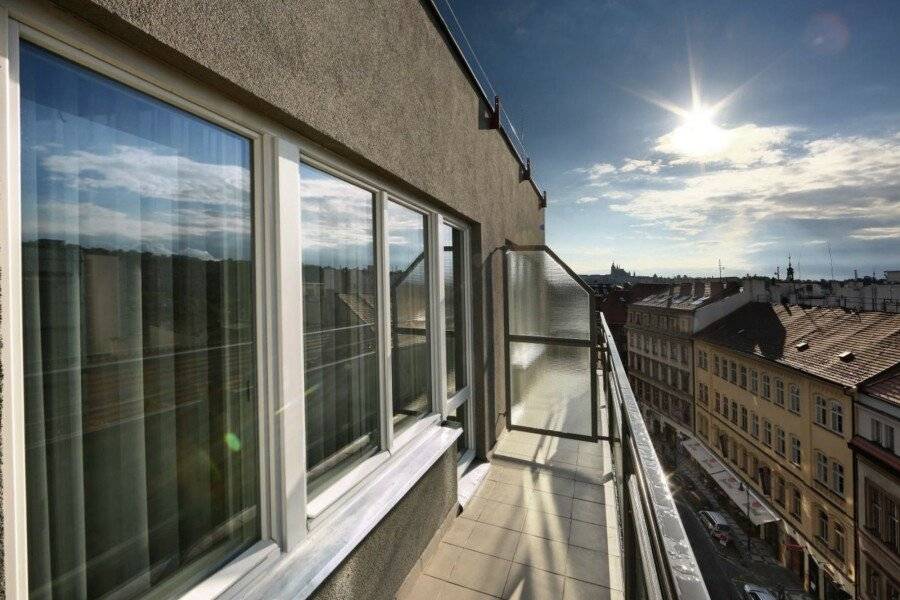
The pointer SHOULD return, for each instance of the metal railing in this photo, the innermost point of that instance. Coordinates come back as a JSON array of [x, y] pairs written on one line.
[[653, 536]]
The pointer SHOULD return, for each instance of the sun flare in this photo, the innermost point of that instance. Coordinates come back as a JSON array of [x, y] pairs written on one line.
[[698, 136]]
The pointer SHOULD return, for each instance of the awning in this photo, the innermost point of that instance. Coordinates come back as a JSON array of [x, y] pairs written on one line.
[[759, 513]]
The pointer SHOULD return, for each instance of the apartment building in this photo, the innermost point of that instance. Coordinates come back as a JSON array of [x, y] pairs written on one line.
[[250, 266], [660, 330], [876, 451], [776, 386]]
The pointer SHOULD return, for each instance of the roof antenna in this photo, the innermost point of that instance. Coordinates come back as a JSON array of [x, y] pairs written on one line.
[[831, 260]]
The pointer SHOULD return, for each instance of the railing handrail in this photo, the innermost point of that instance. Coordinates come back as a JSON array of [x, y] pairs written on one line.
[[679, 576]]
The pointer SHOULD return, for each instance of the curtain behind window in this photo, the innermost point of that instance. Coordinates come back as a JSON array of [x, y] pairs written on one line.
[[141, 426]]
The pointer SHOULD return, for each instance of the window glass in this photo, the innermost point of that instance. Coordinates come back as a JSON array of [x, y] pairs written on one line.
[[409, 290], [339, 325], [138, 334], [454, 309]]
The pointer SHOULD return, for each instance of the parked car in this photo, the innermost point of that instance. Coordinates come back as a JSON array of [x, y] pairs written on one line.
[[717, 526], [755, 592]]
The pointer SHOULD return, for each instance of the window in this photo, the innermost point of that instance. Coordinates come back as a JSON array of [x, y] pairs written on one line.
[[779, 392], [743, 380], [339, 323], [456, 342], [655, 346], [797, 504], [754, 381], [718, 403], [767, 433], [779, 490], [823, 526], [794, 405], [673, 354], [821, 411], [138, 331], [795, 450], [665, 347], [839, 540], [744, 418], [837, 477], [754, 425], [734, 412], [780, 448], [409, 302], [743, 460], [837, 417], [716, 365], [766, 388], [821, 468], [732, 372], [684, 355]]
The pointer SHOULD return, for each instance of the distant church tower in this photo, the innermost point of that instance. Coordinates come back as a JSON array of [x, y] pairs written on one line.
[[790, 270]]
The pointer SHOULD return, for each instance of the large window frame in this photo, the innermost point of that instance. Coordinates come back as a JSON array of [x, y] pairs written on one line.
[[288, 516]]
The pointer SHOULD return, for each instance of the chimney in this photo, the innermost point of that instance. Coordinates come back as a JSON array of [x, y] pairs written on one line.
[[715, 287], [699, 288], [685, 289]]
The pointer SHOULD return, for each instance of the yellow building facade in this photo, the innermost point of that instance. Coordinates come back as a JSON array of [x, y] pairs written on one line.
[[785, 433]]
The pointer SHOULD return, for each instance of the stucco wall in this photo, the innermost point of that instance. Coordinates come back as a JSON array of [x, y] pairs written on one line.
[[376, 82], [377, 567]]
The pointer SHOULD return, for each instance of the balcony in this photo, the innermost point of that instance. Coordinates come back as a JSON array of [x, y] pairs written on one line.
[[574, 491]]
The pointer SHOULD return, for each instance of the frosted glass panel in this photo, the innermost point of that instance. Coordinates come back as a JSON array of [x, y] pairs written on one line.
[[544, 300], [550, 387]]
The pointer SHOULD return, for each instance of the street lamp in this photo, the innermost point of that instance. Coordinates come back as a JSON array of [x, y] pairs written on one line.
[[742, 488]]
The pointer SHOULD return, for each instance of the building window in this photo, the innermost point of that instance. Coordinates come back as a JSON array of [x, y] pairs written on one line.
[[754, 381], [892, 524], [821, 411], [823, 526], [732, 372], [734, 412], [779, 490], [795, 450], [716, 365], [837, 477], [766, 387], [743, 380], [340, 340], [718, 403], [839, 540], [754, 425], [780, 448], [797, 504], [794, 405], [456, 343], [767, 433], [409, 299], [873, 582], [821, 468], [744, 418], [779, 392], [837, 417], [140, 386], [684, 355]]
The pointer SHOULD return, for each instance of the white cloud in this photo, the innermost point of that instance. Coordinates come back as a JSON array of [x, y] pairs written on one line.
[[876, 233], [643, 166], [597, 171], [586, 200], [740, 146], [833, 178], [150, 174]]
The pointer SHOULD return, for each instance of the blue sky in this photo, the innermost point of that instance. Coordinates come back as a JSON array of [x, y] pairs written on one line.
[[803, 157]]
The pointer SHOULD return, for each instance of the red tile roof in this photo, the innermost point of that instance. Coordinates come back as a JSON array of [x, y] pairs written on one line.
[[773, 331], [886, 387]]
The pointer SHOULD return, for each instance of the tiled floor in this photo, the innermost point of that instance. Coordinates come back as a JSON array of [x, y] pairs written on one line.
[[542, 525]]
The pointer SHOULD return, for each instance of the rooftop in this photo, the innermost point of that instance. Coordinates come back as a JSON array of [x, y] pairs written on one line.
[[689, 296], [885, 387], [835, 344]]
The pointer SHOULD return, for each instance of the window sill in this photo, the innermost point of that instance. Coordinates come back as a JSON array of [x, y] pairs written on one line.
[[298, 574]]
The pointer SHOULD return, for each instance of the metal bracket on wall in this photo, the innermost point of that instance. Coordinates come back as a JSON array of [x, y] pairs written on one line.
[[543, 201], [526, 171], [495, 117]]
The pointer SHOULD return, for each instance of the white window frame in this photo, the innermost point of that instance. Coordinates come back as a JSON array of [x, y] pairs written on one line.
[[276, 155]]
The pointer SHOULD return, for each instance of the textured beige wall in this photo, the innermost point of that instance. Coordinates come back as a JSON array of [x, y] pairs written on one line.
[[375, 82]]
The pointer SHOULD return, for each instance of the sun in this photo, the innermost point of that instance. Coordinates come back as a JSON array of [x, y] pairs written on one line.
[[698, 136]]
